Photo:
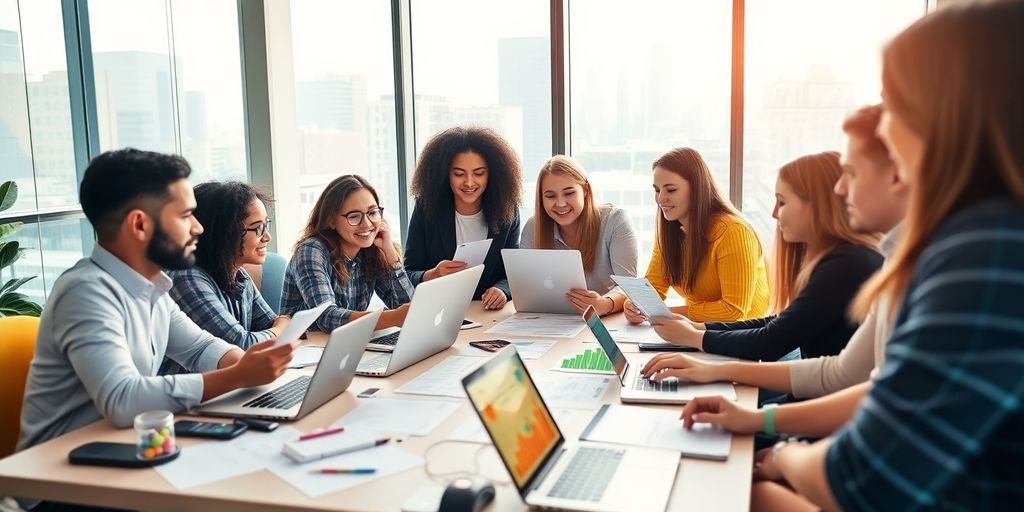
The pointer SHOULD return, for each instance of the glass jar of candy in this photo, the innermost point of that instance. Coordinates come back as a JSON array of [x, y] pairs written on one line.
[[154, 435]]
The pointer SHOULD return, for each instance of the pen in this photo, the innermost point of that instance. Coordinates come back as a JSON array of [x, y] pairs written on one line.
[[327, 432], [350, 471]]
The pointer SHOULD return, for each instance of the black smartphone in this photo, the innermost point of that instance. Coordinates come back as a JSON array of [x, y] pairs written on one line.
[[261, 425], [489, 345], [664, 347], [187, 428], [121, 455], [368, 393]]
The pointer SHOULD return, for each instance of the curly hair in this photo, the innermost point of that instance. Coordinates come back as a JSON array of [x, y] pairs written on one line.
[[326, 209], [222, 208], [502, 196]]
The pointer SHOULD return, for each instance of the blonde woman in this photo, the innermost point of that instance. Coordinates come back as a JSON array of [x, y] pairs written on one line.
[[704, 250], [820, 263], [566, 217]]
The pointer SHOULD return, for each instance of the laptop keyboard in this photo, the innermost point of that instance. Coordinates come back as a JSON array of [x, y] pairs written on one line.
[[588, 474], [387, 339], [284, 397], [376, 364], [670, 385]]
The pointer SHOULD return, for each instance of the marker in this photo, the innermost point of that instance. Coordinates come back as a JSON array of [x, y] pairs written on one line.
[[321, 433], [346, 471]]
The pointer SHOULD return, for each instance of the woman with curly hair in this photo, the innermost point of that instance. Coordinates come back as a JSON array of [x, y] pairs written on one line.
[[467, 187], [217, 293], [344, 255]]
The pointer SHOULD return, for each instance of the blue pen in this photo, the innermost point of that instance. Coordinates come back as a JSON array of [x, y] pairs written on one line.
[[346, 471]]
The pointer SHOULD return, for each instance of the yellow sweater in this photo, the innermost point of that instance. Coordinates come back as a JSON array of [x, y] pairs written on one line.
[[732, 282]]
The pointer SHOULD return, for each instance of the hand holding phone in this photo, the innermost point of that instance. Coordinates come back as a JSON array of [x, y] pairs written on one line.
[[489, 345], [187, 428]]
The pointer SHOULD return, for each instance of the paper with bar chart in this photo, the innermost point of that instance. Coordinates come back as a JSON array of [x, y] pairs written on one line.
[[511, 409], [591, 360]]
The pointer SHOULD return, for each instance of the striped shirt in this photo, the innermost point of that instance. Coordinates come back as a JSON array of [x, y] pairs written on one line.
[[312, 280], [942, 426]]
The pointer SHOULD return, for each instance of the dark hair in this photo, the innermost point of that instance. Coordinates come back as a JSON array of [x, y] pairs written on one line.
[[115, 181], [222, 208], [503, 194], [862, 123], [683, 251], [326, 210]]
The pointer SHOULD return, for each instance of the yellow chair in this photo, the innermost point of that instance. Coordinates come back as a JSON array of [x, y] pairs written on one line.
[[17, 345]]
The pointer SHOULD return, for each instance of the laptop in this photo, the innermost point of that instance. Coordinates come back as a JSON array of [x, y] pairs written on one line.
[[296, 394], [637, 389], [547, 470], [540, 278], [431, 325]]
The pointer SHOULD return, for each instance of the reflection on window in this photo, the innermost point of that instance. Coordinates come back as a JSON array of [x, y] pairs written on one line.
[[51, 248], [642, 84], [805, 71], [15, 143]]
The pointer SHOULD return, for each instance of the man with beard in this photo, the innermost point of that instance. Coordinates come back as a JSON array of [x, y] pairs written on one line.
[[109, 322]]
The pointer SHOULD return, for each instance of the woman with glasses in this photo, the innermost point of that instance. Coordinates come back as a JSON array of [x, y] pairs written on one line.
[[217, 293], [343, 256], [467, 188]]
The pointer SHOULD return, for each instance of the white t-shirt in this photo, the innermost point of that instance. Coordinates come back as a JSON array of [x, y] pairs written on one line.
[[470, 228]]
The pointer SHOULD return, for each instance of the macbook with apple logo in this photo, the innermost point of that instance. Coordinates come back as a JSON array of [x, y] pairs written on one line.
[[296, 393], [433, 322], [539, 279]]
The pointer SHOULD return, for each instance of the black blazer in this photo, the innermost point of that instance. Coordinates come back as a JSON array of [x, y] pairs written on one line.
[[430, 242]]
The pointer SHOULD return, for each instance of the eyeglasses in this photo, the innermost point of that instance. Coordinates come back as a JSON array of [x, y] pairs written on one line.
[[260, 229], [356, 218]]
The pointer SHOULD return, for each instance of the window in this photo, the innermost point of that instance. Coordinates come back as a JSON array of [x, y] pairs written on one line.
[[485, 64], [803, 75], [344, 99], [647, 77], [170, 81]]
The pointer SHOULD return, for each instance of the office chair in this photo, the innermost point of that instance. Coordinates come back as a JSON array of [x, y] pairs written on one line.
[[272, 281], [17, 345]]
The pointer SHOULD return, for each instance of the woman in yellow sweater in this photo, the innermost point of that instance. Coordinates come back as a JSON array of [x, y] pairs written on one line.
[[704, 249]]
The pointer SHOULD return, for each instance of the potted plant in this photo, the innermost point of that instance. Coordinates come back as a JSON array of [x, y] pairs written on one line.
[[12, 303]]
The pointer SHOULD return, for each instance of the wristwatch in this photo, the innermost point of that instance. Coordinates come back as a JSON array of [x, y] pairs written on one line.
[[397, 265], [777, 447]]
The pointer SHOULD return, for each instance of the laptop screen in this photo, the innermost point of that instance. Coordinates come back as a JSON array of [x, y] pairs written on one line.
[[513, 413], [604, 338]]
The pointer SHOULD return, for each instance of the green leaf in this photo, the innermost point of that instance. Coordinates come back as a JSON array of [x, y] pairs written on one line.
[[14, 284], [21, 308], [9, 229], [9, 253], [8, 194]]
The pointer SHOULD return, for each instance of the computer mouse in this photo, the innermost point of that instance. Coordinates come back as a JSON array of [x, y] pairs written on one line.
[[467, 495]]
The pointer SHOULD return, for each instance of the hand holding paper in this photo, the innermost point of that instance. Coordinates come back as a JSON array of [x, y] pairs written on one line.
[[299, 323], [641, 293]]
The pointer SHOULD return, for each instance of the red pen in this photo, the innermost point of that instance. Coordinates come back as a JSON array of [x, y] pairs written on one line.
[[326, 432]]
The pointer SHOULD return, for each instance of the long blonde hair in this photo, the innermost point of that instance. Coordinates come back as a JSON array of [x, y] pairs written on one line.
[[812, 177], [955, 77], [589, 220]]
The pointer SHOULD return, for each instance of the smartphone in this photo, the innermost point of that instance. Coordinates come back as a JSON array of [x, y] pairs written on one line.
[[186, 428], [489, 345], [664, 347], [121, 455], [261, 425], [368, 392]]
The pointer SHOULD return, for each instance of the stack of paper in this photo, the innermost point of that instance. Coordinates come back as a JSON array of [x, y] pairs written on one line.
[[657, 428]]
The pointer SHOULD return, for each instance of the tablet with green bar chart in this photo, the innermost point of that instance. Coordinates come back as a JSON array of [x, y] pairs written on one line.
[[589, 361]]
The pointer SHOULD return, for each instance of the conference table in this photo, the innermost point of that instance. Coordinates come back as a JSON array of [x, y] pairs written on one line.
[[44, 472]]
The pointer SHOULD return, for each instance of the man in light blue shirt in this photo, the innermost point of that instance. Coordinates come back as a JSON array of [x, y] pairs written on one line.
[[109, 322]]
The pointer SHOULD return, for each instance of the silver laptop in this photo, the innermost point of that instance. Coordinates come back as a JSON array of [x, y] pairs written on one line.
[[296, 393], [637, 389], [549, 472], [431, 325], [540, 278]]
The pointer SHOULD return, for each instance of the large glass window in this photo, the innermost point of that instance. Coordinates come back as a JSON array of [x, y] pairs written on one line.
[[808, 64], [485, 64], [170, 81], [15, 143], [646, 77], [344, 99]]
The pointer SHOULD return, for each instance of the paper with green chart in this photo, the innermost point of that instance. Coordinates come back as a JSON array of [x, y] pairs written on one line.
[[591, 360]]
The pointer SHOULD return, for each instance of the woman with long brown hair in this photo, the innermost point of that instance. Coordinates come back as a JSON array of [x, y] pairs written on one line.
[[820, 263], [567, 217], [704, 249], [344, 255], [940, 426]]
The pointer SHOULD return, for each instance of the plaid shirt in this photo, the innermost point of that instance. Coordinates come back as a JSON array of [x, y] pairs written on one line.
[[942, 426], [311, 280], [242, 319]]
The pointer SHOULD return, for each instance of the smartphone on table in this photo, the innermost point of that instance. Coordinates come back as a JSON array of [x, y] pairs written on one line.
[[207, 429], [489, 345]]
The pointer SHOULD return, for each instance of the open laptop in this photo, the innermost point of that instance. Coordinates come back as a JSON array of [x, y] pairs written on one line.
[[549, 472], [296, 394], [637, 389], [431, 325], [540, 278]]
